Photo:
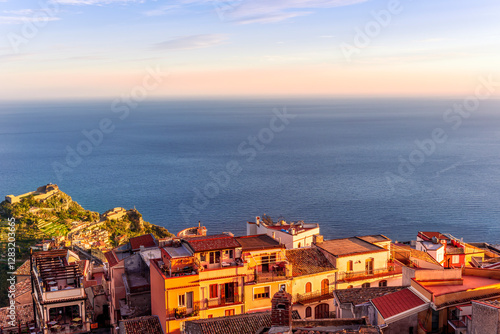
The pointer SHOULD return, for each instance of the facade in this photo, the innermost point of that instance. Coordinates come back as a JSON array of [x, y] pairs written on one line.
[[313, 283], [292, 235], [59, 297], [485, 318], [361, 263]]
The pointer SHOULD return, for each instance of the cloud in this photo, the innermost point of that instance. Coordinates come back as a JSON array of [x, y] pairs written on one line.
[[191, 42], [94, 2], [265, 11], [161, 10], [24, 19]]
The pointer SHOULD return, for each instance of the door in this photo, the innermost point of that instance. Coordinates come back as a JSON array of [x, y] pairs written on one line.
[[325, 286], [322, 311], [229, 292], [189, 302], [265, 264], [369, 266]]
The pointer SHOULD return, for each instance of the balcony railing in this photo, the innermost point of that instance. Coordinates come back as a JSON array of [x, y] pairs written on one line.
[[183, 312], [218, 302], [358, 275], [314, 296], [271, 276]]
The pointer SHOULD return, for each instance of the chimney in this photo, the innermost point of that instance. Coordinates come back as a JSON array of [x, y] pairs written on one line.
[[281, 312], [317, 238]]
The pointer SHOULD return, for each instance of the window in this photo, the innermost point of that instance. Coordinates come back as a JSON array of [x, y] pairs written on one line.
[[229, 312], [308, 287], [349, 286], [272, 258], [365, 285], [382, 283], [182, 300], [231, 255], [260, 293], [203, 257], [308, 312], [283, 287], [299, 245], [455, 259], [210, 316], [214, 291], [349, 265], [214, 257]]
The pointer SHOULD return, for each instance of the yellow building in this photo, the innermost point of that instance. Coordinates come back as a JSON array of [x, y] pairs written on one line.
[[268, 270]]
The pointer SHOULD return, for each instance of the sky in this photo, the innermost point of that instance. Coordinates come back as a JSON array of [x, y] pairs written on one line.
[[63, 49]]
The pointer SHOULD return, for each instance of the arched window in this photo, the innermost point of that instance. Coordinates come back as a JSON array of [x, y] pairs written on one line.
[[308, 312], [324, 286], [365, 285], [349, 265], [308, 287], [349, 286], [382, 283], [299, 245]]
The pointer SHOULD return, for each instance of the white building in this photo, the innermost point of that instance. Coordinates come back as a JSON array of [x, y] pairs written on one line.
[[292, 235]]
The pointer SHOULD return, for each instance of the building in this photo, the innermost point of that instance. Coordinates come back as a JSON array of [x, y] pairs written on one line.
[[197, 277], [313, 283], [355, 303], [398, 312], [292, 235], [128, 285], [361, 263], [484, 318], [58, 293], [268, 270]]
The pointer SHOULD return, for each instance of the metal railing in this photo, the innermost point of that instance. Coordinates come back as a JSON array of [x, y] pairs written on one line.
[[314, 296], [228, 300], [355, 275], [184, 312], [271, 276]]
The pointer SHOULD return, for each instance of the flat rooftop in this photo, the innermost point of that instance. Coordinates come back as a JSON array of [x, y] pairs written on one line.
[[374, 238], [469, 283], [256, 242], [176, 252], [348, 246], [431, 245]]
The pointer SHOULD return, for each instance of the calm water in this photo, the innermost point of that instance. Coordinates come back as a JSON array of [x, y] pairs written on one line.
[[329, 165]]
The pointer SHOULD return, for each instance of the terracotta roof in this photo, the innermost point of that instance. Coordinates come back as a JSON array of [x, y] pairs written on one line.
[[142, 325], [396, 303], [348, 246], [212, 242], [23, 287], [24, 269], [375, 238], [255, 242], [363, 295], [111, 257], [24, 313], [248, 323], [454, 250], [414, 253], [146, 240], [306, 261]]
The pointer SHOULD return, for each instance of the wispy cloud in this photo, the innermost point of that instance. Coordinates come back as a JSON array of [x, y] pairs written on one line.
[[191, 42], [265, 11], [94, 2], [161, 10], [23, 19]]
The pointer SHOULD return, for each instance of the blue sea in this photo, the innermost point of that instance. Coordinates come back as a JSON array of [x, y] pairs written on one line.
[[355, 166]]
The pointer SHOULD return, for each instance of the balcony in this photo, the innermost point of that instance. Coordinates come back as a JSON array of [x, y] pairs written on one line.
[[184, 312], [220, 302], [315, 296], [366, 274], [276, 274]]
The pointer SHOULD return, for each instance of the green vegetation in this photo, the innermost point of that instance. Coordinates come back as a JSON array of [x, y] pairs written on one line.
[[38, 220]]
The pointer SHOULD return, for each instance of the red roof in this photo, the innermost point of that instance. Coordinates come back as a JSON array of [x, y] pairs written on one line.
[[396, 303], [112, 260], [146, 240], [212, 242], [438, 235]]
